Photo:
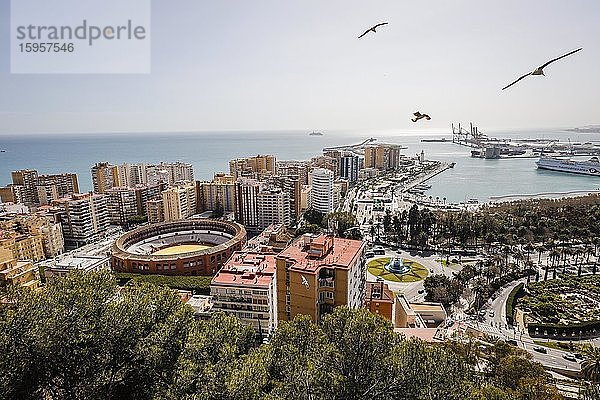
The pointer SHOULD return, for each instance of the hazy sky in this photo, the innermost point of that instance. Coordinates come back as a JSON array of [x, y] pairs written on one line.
[[297, 64]]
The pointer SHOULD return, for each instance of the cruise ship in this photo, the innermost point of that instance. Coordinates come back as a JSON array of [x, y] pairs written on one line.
[[590, 167]]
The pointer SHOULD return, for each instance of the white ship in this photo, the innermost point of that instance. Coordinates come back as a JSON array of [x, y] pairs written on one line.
[[590, 167]]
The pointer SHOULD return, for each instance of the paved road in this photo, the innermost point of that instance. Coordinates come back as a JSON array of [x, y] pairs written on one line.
[[553, 358], [498, 305]]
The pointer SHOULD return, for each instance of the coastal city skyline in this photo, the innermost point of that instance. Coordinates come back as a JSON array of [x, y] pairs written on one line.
[[306, 199], [259, 68]]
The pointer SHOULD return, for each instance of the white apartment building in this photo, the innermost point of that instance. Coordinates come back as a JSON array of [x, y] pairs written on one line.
[[83, 217], [273, 207], [321, 195]]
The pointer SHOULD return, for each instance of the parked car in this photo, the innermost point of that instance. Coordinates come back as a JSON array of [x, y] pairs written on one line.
[[369, 254], [492, 314], [540, 349], [512, 342], [579, 356], [570, 357]]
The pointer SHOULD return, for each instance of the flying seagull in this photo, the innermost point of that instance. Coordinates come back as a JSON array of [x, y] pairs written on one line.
[[540, 70], [419, 116], [373, 29]]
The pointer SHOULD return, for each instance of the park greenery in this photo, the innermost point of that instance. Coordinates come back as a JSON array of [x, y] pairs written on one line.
[[137, 220], [511, 302], [84, 337], [566, 301], [566, 231], [416, 273], [561, 236]]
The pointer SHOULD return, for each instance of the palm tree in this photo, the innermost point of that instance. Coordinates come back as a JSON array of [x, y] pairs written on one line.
[[567, 253], [590, 392], [590, 367], [586, 251], [528, 249], [554, 257]]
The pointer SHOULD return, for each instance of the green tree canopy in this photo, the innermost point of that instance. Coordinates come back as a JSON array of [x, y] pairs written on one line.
[[81, 338]]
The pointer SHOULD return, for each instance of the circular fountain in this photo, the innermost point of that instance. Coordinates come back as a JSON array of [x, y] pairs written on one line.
[[397, 266]]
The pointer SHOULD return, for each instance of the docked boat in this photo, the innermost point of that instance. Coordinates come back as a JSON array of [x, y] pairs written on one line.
[[314, 133], [590, 167]]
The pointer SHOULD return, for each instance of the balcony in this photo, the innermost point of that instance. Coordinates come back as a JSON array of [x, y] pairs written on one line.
[[326, 300], [327, 282]]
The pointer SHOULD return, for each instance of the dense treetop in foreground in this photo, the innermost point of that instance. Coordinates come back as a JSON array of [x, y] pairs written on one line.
[[83, 338]]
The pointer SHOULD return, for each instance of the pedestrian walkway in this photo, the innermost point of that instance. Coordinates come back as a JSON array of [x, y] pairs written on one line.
[[490, 330]]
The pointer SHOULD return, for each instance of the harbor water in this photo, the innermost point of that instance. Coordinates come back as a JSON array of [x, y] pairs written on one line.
[[209, 152]]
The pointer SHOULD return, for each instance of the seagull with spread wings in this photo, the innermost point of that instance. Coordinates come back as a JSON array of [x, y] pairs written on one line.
[[419, 116], [373, 29], [540, 70]]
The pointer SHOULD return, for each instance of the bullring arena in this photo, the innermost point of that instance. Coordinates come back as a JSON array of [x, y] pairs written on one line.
[[186, 247]]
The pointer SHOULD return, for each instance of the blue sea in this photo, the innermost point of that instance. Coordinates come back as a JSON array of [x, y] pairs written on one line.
[[209, 152]]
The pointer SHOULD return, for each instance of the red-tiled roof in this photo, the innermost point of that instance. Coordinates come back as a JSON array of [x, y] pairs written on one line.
[[248, 269], [342, 254]]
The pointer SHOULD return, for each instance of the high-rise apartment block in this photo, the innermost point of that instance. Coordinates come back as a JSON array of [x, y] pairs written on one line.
[[221, 190], [305, 203], [106, 175], [146, 192], [31, 188], [321, 195], [253, 167], [382, 157], [246, 211], [245, 287], [103, 177], [174, 172], [84, 217], [66, 184], [46, 194], [129, 175], [27, 179], [317, 273], [349, 166], [12, 194], [179, 202], [121, 204], [155, 211], [295, 169], [127, 202], [273, 207], [326, 162], [292, 186]]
